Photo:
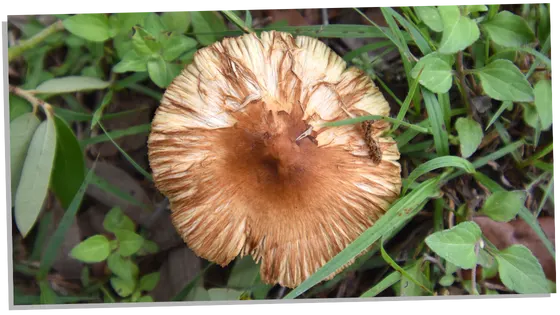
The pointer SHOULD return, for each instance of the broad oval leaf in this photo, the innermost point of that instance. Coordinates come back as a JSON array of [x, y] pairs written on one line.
[[207, 22], [122, 267], [123, 287], [93, 27], [35, 176], [502, 80], [93, 249], [161, 72], [149, 281], [436, 73], [457, 245], [543, 102], [503, 206], [126, 21], [520, 271], [129, 242], [131, 62], [71, 84], [69, 166], [115, 220], [439, 162], [459, 31], [176, 45], [18, 107], [176, 21], [223, 294], [430, 16], [509, 30], [470, 135], [21, 133]]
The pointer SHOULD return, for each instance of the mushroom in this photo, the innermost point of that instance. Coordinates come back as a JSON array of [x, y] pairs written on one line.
[[239, 147]]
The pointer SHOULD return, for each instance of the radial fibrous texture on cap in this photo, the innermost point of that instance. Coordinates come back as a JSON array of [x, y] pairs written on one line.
[[223, 149]]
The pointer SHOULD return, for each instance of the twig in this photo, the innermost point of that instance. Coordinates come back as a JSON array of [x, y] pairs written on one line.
[[24, 45], [237, 21], [434, 261], [35, 102], [325, 16], [463, 83]]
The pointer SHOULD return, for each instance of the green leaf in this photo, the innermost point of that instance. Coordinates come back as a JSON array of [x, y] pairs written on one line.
[[207, 22], [520, 271], [47, 294], [416, 284], [144, 43], [221, 294], [509, 30], [470, 135], [69, 166], [457, 245], [176, 45], [126, 21], [430, 16], [153, 25], [436, 163], [543, 102], [122, 44], [436, 73], [21, 133], [244, 273], [248, 19], [177, 22], [145, 298], [149, 247], [71, 84], [99, 111], [503, 81], [459, 32], [149, 281], [18, 107], [115, 220], [35, 176], [447, 280], [122, 267], [93, 27], [436, 116], [129, 242], [475, 8], [123, 287], [160, 72], [94, 249], [131, 62], [503, 206], [85, 276], [531, 116]]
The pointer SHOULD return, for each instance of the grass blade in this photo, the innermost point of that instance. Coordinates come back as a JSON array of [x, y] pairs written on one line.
[[56, 240], [182, 295], [116, 134], [435, 116], [406, 105], [115, 191], [127, 157], [403, 272], [499, 113], [439, 162], [382, 285], [369, 47], [360, 119], [402, 210]]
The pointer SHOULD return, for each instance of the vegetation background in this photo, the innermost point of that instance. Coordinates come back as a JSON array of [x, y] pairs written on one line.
[[470, 92]]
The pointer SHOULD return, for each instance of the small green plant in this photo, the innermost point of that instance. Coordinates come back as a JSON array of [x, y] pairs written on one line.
[[118, 251]]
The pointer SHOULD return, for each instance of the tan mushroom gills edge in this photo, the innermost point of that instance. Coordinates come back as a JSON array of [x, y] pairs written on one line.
[[223, 149]]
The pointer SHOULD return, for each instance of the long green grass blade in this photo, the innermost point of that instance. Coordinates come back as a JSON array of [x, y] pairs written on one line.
[[403, 272], [399, 213], [382, 285], [115, 191], [360, 119], [439, 162], [437, 123], [369, 47], [116, 134]]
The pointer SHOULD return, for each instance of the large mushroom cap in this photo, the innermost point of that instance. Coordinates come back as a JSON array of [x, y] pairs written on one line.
[[223, 149]]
